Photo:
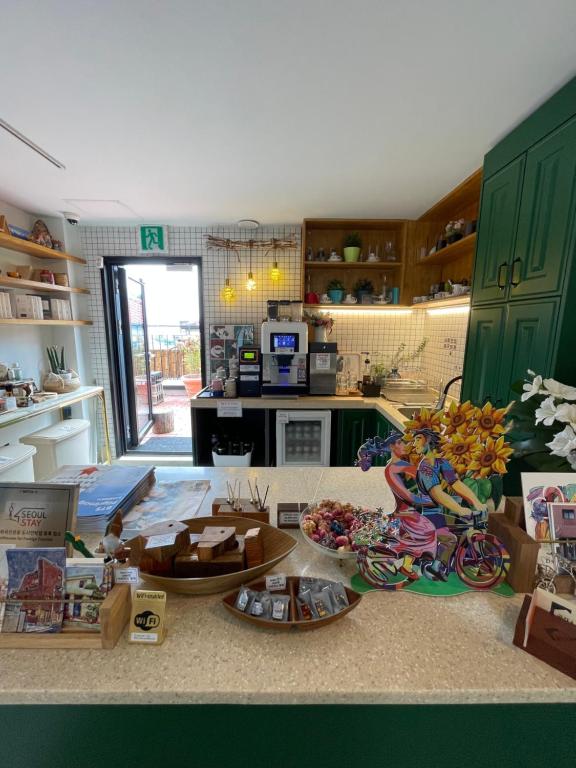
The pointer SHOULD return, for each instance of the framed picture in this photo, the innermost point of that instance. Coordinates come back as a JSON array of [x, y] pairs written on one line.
[[540, 490], [349, 363], [37, 514], [225, 341], [562, 519]]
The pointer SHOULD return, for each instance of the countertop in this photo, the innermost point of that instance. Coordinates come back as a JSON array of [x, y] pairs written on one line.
[[311, 402], [394, 648]]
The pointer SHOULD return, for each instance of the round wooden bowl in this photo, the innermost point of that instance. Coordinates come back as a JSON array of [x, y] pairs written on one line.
[[293, 621], [277, 545]]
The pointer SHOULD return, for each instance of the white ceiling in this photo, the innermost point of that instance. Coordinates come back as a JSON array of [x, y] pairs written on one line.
[[207, 111]]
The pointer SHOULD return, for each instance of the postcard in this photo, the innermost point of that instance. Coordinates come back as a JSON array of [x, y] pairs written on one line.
[[88, 581], [540, 490], [563, 606], [35, 590]]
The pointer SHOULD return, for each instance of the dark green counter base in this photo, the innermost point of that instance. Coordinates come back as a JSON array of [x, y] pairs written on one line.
[[474, 736]]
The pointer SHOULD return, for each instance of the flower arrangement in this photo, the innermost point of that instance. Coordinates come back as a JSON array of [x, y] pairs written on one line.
[[473, 441], [454, 227], [320, 320], [543, 424]]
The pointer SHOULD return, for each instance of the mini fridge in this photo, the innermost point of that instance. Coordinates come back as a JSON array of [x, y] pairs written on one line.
[[303, 438]]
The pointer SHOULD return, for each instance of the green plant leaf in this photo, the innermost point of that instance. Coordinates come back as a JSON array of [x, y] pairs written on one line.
[[484, 489]]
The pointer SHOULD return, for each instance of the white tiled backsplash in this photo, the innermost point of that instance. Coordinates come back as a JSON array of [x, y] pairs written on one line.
[[378, 334]]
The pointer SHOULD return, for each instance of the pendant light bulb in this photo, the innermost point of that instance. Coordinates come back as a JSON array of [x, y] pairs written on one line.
[[227, 293], [250, 283], [275, 273]]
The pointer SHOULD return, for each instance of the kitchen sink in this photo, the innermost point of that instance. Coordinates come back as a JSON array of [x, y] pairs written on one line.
[[410, 410]]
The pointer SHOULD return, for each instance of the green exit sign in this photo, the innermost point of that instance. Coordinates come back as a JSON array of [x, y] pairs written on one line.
[[153, 239]]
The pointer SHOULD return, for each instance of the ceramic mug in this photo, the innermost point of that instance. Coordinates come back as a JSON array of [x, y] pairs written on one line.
[[325, 299], [350, 299]]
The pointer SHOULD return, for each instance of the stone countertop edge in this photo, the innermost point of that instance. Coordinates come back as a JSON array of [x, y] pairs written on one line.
[[311, 402]]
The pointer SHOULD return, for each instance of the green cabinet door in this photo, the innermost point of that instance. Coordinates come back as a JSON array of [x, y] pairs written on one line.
[[496, 233], [546, 225], [482, 360], [354, 428], [382, 429], [528, 343]]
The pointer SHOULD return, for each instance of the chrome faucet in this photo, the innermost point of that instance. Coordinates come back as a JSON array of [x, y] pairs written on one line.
[[442, 399]]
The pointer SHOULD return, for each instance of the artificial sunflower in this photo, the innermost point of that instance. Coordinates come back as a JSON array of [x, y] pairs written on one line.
[[489, 421], [458, 451], [426, 419], [459, 417], [490, 458]]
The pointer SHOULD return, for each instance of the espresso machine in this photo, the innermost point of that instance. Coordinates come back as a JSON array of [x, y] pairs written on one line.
[[284, 348]]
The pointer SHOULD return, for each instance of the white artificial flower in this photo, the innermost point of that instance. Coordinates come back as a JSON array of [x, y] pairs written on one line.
[[565, 412], [556, 389], [563, 442], [548, 412], [532, 388]]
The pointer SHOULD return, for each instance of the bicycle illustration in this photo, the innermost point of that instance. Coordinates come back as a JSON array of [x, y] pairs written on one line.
[[480, 560]]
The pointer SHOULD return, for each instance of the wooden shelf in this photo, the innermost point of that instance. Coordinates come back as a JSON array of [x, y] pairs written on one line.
[[463, 247], [29, 321], [348, 307], [15, 282], [351, 264], [455, 301], [33, 249]]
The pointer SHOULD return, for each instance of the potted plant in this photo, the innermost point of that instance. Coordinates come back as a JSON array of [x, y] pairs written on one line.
[[191, 378], [363, 288], [335, 291], [352, 245]]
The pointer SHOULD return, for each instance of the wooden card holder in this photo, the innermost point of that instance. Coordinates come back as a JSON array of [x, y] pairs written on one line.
[[522, 548], [514, 510], [551, 639], [289, 513], [114, 615]]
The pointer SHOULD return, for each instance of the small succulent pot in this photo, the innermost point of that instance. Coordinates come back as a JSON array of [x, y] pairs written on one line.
[[351, 253], [336, 296], [364, 297]]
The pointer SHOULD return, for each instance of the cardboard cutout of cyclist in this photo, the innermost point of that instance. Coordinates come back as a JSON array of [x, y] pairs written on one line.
[[435, 539]]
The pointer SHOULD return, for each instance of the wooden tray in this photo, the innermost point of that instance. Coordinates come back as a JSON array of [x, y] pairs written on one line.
[[277, 545], [114, 613], [292, 590]]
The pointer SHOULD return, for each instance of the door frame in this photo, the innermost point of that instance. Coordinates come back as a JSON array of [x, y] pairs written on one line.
[[113, 353]]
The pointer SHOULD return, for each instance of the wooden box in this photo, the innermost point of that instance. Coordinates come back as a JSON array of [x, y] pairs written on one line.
[[522, 548], [514, 510], [551, 639], [114, 614], [220, 506]]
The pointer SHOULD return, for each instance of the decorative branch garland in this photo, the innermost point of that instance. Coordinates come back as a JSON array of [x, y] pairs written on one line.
[[273, 244]]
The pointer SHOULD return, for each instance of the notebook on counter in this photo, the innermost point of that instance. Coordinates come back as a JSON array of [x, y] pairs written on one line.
[[105, 489]]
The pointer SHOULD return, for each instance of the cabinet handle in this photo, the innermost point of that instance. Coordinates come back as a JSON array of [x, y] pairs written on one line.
[[502, 280], [515, 278]]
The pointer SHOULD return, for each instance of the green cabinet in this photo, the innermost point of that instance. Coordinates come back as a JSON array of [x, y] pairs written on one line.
[[545, 239], [496, 232], [482, 362], [527, 343], [354, 428], [524, 275]]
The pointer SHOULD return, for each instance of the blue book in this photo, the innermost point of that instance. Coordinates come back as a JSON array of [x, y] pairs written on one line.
[[105, 489]]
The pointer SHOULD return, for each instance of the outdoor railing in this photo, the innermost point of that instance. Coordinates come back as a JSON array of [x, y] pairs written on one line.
[[174, 351]]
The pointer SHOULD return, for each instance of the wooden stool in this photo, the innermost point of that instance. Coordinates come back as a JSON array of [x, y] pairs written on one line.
[[163, 422]]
